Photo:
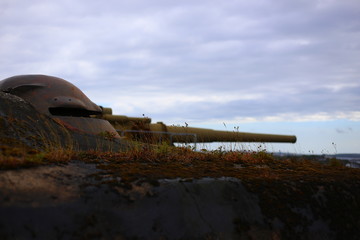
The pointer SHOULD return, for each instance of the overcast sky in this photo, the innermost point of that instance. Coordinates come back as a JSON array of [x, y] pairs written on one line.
[[203, 62]]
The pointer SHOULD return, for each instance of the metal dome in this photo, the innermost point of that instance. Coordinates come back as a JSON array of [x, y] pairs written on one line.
[[60, 100], [50, 95]]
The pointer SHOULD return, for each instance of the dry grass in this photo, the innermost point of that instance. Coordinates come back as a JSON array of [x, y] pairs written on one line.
[[163, 161], [13, 155]]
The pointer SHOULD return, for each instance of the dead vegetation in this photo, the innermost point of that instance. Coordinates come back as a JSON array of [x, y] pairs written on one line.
[[154, 162]]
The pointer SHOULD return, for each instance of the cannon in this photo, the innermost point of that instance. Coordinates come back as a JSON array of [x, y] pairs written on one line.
[[63, 102], [141, 129]]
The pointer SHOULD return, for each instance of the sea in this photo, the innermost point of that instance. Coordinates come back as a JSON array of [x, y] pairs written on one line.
[[349, 159]]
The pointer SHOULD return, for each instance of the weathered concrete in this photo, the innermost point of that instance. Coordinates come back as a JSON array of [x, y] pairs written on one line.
[[77, 201]]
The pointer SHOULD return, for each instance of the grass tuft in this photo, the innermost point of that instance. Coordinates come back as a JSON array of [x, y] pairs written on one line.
[[153, 162]]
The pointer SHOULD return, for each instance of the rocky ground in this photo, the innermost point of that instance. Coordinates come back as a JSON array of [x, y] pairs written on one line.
[[66, 202], [80, 200]]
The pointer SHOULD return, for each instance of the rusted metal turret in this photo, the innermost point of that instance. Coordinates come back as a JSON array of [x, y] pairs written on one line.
[[68, 105], [60, 100]]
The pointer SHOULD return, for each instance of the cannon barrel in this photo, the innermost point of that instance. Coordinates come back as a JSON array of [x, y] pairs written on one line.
[[191, 134], [141, 129]]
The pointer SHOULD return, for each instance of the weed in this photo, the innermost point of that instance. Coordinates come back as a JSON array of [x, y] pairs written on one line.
[[152, 162], [108, 135], [36, 158], [335, 162], [59, 155]]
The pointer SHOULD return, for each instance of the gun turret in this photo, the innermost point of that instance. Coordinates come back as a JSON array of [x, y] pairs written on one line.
[[141, 129], [69, 106]]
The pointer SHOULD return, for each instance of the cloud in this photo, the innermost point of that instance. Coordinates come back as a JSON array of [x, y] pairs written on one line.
[[201, 60]]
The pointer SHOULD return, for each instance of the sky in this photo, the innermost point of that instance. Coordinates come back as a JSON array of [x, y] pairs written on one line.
[[268, 66]]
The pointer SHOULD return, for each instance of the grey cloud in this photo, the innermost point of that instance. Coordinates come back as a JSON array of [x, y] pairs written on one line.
[[291, 55], [304, 103]]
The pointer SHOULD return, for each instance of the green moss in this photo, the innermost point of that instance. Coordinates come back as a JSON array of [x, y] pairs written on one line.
[[335, 162]]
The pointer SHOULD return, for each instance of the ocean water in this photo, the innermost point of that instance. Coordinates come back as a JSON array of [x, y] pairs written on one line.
[[353, 162]]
